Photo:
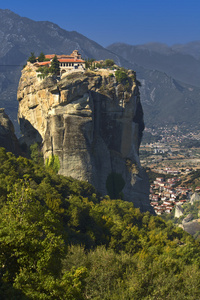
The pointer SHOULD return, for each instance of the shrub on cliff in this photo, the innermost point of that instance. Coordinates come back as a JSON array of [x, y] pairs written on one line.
[[89, 63], [53, 163], [106, 64], [109, 63], [44, 71], [121, 75]]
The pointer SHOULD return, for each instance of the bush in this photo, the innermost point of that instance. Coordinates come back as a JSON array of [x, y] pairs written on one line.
[[36, 153], [53, 163], [121, 76], [45, 71], [109, 63]]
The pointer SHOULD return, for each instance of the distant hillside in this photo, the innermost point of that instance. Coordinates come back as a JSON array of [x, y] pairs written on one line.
[[178, 61], [167, 101]]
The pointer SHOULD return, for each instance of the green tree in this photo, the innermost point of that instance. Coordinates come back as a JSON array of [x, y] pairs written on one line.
[[32, 58], [121, 75], [43, 71], [36, 153], [41, 57], [53, 163], [88, 63], [109, 62], [55, 66], [31, 244]]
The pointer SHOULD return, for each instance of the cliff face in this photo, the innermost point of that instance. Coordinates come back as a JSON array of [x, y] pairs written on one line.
[[8, 139], [93, 125]]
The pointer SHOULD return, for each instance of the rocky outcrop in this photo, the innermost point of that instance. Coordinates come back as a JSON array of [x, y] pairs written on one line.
[[191, 226], [8, 139], [178, 211], [194, 197], [93, 124]]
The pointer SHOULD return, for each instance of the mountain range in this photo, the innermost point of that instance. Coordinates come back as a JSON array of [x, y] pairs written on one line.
[[170, 89]]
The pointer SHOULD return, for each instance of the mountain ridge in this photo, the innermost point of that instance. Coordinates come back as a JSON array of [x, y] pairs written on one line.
[[24, 35], [181, 66]]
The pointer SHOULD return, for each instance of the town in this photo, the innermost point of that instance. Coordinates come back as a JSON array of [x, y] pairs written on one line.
[[165, 194], [173, 166]]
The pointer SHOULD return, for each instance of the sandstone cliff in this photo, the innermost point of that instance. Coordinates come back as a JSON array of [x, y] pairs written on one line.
[[8, 140], [178, 211], [92, 123]]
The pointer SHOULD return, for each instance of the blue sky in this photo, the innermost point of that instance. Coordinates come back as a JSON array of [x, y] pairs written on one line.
[[128, 21]]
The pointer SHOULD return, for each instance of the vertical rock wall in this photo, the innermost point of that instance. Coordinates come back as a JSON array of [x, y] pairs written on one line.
[[93, 124], [8, 139]]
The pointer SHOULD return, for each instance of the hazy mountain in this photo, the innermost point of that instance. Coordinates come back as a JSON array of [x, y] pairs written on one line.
[[167, 101], [178, 61], [192, 48], [164, 99]]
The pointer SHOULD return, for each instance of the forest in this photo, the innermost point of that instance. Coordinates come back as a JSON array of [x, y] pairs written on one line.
[[60, 239]]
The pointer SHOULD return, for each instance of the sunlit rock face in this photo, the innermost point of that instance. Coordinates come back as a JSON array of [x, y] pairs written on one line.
[[93, 124]]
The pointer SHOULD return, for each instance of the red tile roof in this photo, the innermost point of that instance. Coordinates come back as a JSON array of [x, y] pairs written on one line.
[[70, 60], [44, 63]]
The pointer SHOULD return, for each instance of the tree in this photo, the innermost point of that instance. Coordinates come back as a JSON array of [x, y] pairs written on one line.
[[36, 153], [55, 66], [41, 57], [53, 163], [109, 62], [32, 58], [88, 63], [31, 244]]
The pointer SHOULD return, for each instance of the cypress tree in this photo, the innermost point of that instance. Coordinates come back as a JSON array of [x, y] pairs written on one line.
[[32, 58], [41, 57], [55, 66]]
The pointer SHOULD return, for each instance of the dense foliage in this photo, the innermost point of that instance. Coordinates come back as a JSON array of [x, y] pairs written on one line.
[[105, 64], [90, 63], [60, 240], [45, 71], [121, 75]]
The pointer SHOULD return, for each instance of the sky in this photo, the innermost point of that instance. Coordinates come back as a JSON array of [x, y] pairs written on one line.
[[128, 21]]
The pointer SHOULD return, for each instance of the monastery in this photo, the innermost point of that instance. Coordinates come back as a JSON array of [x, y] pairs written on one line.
[[67, 62]]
